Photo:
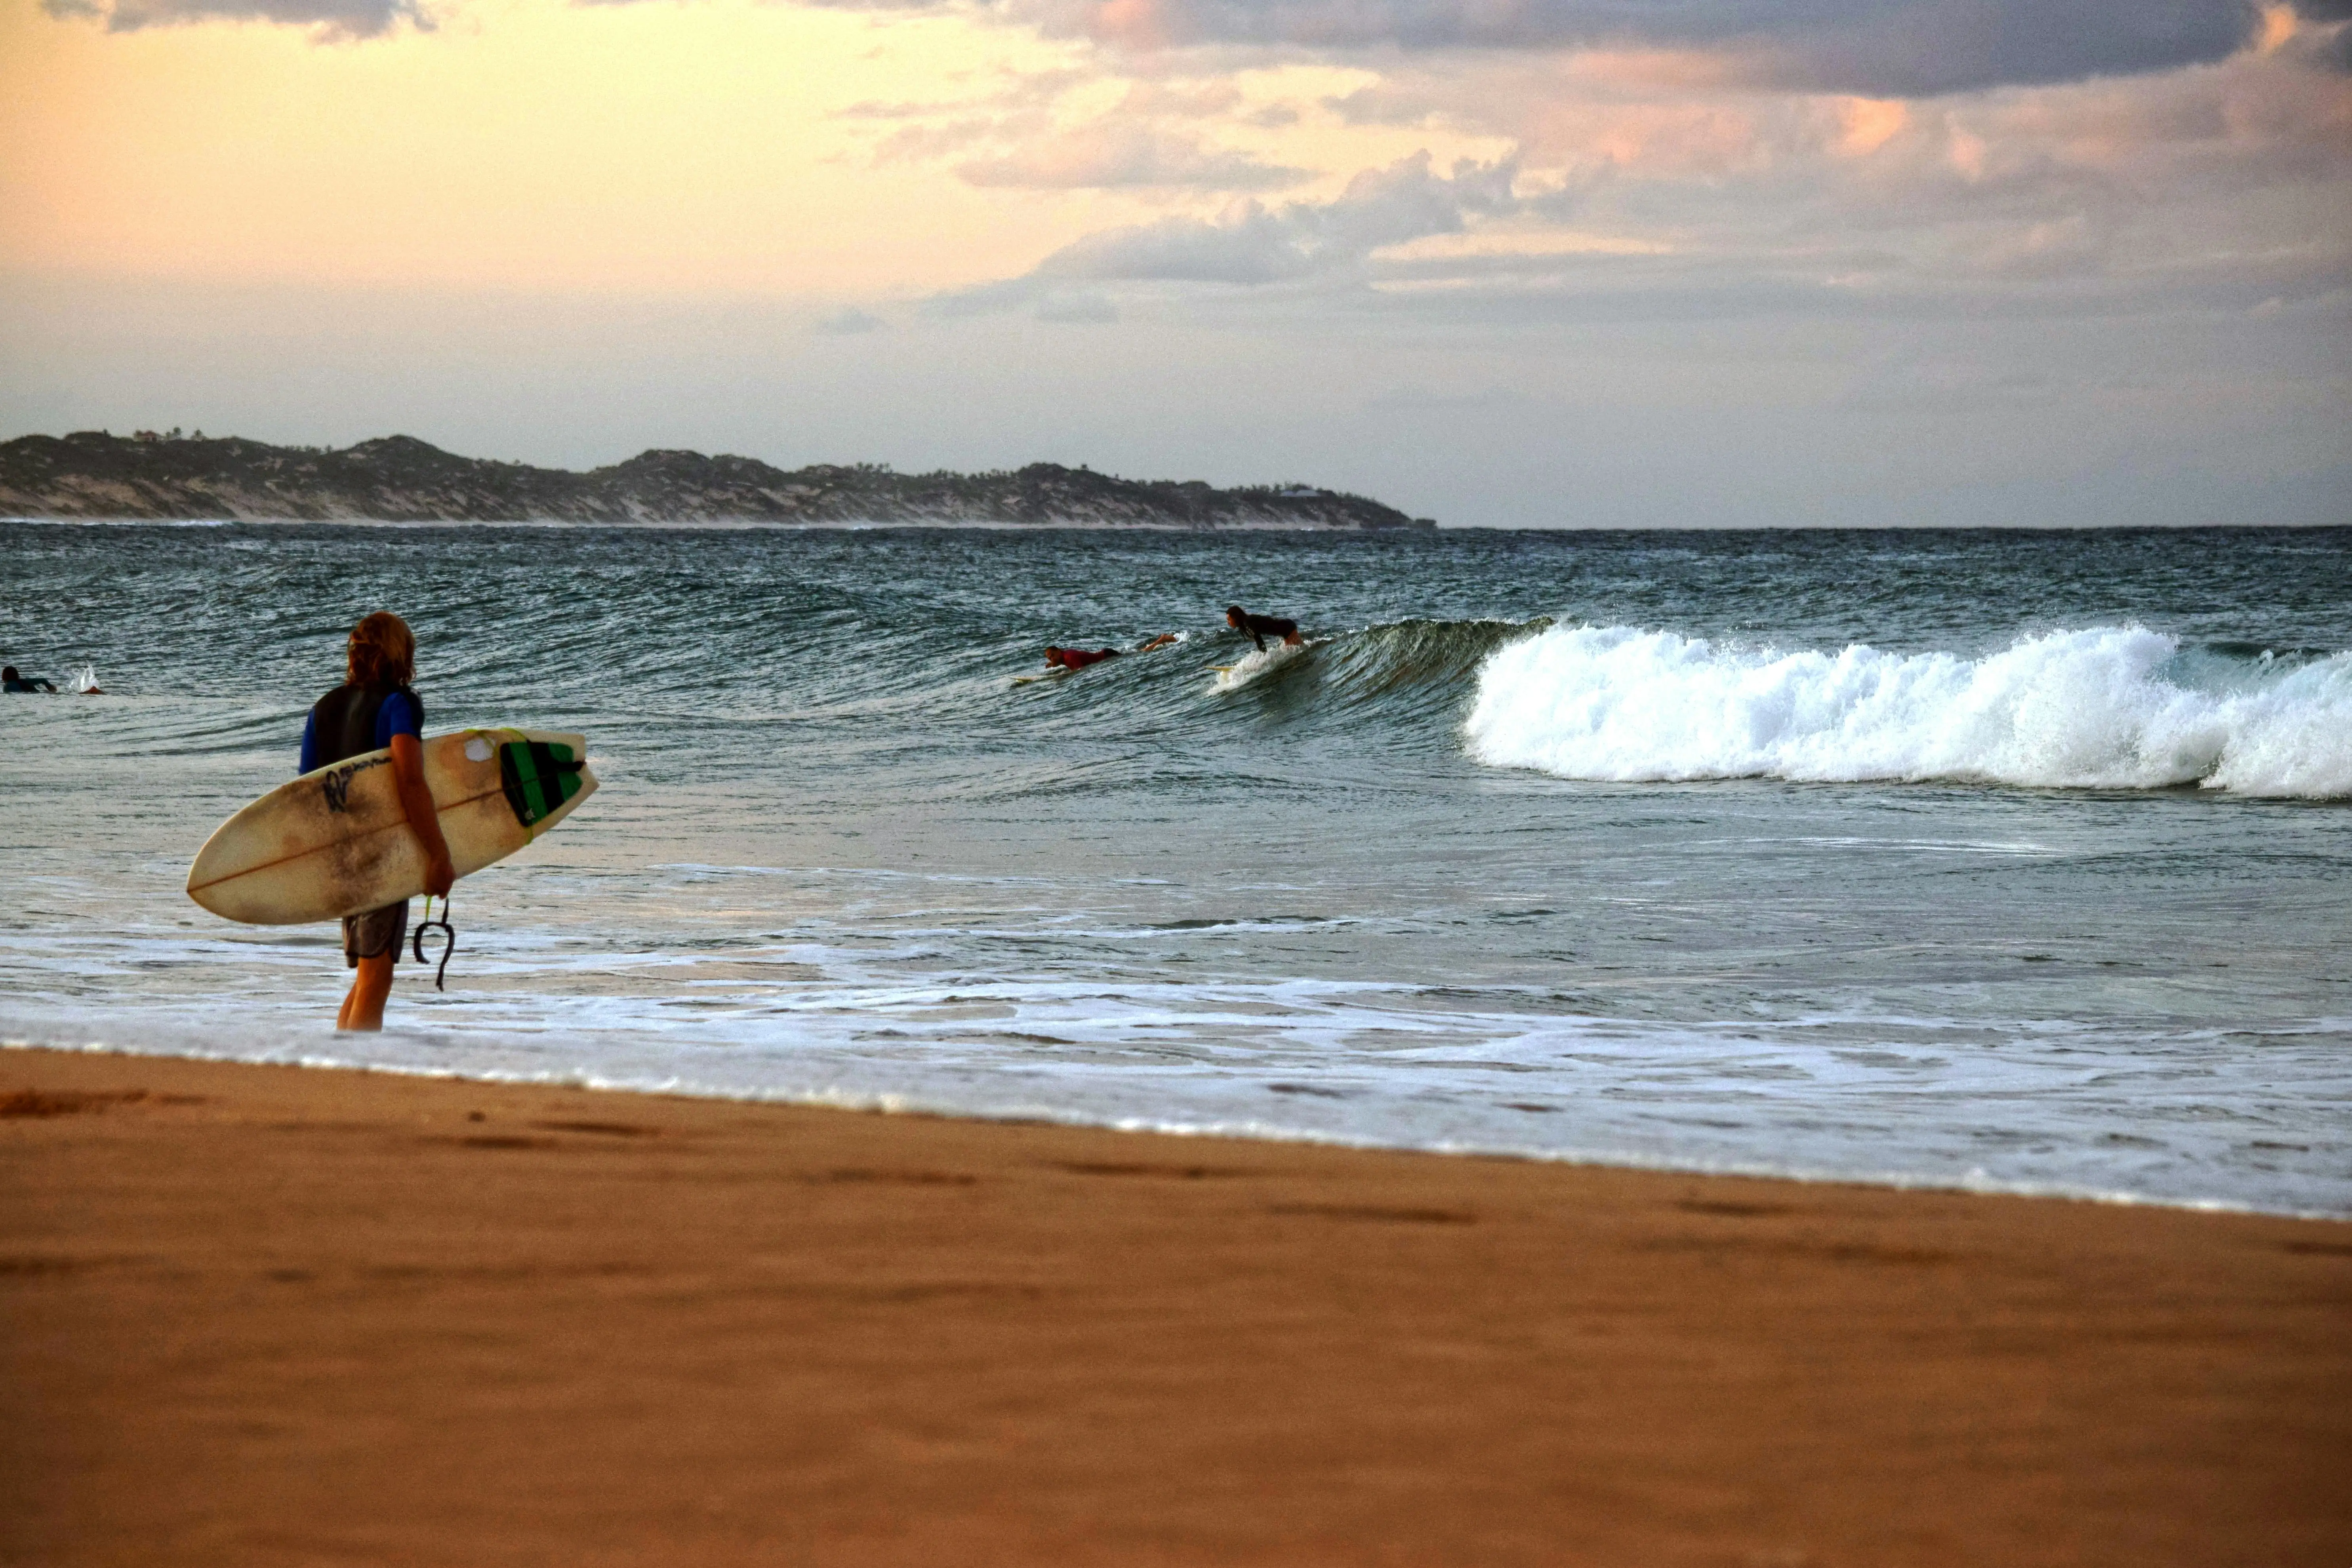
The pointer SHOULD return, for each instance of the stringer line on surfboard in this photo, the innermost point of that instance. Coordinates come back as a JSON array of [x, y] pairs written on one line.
[[438, 810]]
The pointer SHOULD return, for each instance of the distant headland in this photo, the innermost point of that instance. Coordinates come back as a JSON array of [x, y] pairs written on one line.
[[397, 479]]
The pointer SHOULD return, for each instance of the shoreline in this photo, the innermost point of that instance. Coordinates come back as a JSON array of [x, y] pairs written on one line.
[[885, 1103], [264, 1314]]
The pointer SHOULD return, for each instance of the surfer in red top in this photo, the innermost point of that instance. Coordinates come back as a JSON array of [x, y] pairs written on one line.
[[1078, 658]]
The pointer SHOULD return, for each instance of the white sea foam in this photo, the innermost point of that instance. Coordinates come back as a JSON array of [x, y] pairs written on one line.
[[1256, 663], [2027, 1106], [2111, 707]]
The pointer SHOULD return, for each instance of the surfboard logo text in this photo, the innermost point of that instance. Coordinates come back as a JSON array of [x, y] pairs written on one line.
[[338, 784]]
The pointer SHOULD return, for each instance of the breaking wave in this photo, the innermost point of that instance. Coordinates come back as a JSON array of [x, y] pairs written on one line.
[[2105, 707]]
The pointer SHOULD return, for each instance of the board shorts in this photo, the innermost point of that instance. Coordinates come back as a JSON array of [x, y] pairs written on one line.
[[374, 933]]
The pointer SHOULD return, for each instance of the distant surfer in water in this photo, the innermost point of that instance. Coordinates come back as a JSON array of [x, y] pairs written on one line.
[[372, 710], [1257, 628], [12, 681], [1078, 658]]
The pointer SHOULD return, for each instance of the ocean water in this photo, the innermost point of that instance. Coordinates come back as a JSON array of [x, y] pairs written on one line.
[[2014, 860]]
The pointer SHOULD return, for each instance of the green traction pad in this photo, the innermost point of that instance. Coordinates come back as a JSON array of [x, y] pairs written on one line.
[[539, 778]]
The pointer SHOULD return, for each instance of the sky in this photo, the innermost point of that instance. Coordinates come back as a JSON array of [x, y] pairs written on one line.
[[1557, 263]]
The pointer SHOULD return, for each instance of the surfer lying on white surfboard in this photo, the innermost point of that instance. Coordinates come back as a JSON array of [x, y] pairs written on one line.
[[374, 709], [1079, 658], [1260, 627]]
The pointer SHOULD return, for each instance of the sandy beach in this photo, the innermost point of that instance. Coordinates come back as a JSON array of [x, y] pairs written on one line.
[[265, 1315]]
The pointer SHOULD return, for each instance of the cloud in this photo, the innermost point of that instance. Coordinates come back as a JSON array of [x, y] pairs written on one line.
[[1107, 154], [1659, 155], [1023, 90], [1879, 47], [329, 20], [2331, 50], [2200, 191], [922, 142], [1184, 100], [1874, 47], [1014, 138], [849, 323], [1252, 244], [1078, 309]]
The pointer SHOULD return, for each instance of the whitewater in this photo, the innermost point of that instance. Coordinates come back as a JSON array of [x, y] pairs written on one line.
[[2105, 707], [2012, 861]]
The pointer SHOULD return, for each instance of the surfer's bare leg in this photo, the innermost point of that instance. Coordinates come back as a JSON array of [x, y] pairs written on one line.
[[362, 1009], [371, 988]]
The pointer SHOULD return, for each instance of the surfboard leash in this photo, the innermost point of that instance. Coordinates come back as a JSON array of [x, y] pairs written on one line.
[[448, 940]]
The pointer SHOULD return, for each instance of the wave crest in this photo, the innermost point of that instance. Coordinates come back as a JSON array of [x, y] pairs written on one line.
[[1380, 661], [2110, 706]]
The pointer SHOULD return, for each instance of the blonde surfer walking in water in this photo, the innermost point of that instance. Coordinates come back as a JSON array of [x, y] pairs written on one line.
[[372, 710]]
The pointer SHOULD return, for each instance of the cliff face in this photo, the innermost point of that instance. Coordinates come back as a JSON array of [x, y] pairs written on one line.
[[397, 479]]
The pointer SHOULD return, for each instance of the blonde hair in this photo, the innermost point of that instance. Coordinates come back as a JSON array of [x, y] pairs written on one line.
[[382, 652]]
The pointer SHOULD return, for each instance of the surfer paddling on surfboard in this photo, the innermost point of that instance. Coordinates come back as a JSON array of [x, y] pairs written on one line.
[[1078, 658], [372, 710], [1257, 628]]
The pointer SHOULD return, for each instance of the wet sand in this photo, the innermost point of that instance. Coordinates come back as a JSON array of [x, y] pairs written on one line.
[[264, 1315]]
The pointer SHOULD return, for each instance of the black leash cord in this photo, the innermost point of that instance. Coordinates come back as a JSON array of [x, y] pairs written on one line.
[[448, 940]]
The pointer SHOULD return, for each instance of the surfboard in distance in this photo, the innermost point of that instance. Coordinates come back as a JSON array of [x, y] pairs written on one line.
[[336, 842]]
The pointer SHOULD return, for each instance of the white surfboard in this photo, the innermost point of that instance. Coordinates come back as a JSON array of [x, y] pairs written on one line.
[[337, 842], [1254, 664]]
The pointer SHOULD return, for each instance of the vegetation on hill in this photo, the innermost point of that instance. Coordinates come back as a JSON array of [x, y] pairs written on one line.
[[397, 479]]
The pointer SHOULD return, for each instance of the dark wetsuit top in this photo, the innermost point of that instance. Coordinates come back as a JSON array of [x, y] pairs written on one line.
[[1261, 627], [350, 721]]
